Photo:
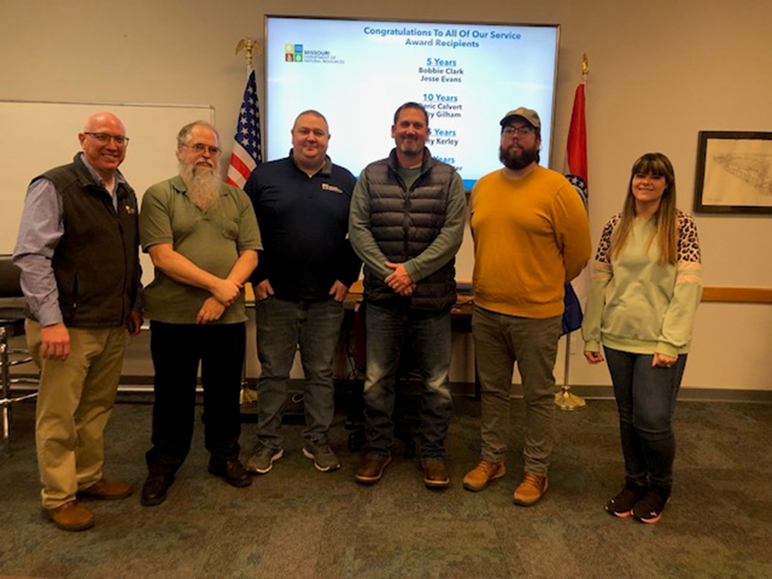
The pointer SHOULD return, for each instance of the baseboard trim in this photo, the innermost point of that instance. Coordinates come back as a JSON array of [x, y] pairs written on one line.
[[141, 385]]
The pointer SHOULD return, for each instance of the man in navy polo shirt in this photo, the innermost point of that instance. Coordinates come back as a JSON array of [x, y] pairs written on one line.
[[303, 276]]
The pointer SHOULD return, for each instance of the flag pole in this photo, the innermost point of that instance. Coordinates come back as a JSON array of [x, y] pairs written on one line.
[[243, 160], [250, 46], [565, 399]]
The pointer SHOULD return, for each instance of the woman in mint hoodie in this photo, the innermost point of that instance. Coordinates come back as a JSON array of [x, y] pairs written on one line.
[[646, 285]]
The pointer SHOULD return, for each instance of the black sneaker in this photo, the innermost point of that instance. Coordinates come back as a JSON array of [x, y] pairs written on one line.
[[621, 505], [322, 455], [649, 508]]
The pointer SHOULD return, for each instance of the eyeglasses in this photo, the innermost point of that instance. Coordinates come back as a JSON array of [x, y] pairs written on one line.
[[104, 138], [200, 148], [523, 131]]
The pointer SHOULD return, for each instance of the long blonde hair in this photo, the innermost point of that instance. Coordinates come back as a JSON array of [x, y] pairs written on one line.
[[658, 165]]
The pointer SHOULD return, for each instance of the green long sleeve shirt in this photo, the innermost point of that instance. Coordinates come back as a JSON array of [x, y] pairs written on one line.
[[441, 250]]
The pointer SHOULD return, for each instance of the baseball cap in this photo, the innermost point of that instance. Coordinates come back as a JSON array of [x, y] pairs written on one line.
[[528, 114]]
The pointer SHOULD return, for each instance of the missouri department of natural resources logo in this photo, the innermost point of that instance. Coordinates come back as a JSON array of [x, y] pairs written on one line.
[[301, 54], [293, 53]]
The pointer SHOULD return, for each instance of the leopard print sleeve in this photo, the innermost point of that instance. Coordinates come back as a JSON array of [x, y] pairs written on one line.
[[676, 331], [688, 240], [689, 266], [601, 267], [604, 245]]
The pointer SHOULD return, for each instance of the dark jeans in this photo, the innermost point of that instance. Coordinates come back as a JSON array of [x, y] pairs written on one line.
[[177, 350], [282, 326], [646, 399], [428, 334]]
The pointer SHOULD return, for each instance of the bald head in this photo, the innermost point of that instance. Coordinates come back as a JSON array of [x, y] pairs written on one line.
[[103, 141], [102, 119]]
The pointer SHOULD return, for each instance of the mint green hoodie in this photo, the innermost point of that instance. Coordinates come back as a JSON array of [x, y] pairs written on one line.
[[638, 304]]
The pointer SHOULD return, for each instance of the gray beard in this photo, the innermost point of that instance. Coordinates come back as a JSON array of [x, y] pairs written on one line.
[[203, 186]]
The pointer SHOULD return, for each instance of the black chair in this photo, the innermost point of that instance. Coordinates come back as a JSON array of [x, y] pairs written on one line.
[[12, 306]]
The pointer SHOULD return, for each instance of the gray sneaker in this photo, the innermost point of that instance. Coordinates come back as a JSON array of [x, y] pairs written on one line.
[[322, 455], [262, 458]]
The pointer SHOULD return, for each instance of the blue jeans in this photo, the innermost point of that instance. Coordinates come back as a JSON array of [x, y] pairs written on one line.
[[282, 325], [428, 334], [646, 399]]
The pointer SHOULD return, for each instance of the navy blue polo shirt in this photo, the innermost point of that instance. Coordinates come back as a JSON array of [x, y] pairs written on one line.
[[304, 226]]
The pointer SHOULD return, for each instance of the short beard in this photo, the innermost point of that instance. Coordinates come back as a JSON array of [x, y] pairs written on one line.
[[518, 161], [203, 186]]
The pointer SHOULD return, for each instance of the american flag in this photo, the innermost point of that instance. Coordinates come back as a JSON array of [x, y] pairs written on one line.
[[576, 173], [247, 151]]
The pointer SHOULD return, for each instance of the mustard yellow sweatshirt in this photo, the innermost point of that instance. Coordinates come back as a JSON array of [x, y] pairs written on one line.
[[531, 237]]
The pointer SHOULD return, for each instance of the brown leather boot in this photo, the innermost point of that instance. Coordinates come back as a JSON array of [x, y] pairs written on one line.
[[435, 474], [71, 517], [106, 490], [371, 469]]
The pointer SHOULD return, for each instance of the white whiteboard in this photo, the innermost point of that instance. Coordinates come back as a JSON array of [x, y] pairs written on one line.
[[37, 136]]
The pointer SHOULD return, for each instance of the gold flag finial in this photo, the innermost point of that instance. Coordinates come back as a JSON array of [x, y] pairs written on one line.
[[249, 46], [585, 65]]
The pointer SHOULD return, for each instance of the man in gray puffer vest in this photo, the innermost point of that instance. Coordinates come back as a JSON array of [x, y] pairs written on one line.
[[406, 223]]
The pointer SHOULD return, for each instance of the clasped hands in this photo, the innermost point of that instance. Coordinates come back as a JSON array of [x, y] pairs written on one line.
[[399, 280], [224, 293]]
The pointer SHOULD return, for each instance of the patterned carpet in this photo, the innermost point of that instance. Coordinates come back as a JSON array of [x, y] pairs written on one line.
[[299, 523]]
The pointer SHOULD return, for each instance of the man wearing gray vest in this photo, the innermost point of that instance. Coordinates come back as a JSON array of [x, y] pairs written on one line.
[[407, 223], [78, 251]]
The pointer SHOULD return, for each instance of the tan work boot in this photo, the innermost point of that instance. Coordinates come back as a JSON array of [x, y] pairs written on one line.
[[479, 477], [530, 490], [71, 517]]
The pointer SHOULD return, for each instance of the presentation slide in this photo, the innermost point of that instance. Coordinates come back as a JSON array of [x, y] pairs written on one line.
[[358, 72]]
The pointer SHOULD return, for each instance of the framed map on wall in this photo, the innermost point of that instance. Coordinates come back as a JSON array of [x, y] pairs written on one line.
[[734, 173]]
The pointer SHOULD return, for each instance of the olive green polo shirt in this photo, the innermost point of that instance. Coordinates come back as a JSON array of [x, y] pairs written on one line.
[[210, 239]]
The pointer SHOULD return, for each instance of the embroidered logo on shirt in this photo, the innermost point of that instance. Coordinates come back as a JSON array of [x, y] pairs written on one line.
[[328, 187]]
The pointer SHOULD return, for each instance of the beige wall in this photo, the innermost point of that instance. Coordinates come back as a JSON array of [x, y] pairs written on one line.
[[660, 71]]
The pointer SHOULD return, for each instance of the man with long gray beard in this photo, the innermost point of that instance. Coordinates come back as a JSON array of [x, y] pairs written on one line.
[[531, 237], [202, 237]]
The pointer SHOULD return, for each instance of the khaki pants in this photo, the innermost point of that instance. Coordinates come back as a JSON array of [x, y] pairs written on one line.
[[75, 400], [499, 342]]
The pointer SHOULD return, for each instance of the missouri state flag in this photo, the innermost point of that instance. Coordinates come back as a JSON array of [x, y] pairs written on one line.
[[576, 172]]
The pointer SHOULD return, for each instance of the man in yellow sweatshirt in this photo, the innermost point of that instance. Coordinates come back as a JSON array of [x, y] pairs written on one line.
[[531, 237]]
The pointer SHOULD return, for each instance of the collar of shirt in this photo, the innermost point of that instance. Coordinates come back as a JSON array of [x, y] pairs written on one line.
[[326, 169], [118, 179]]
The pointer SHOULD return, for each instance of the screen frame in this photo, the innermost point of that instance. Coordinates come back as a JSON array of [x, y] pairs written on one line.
[[406, 22]]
